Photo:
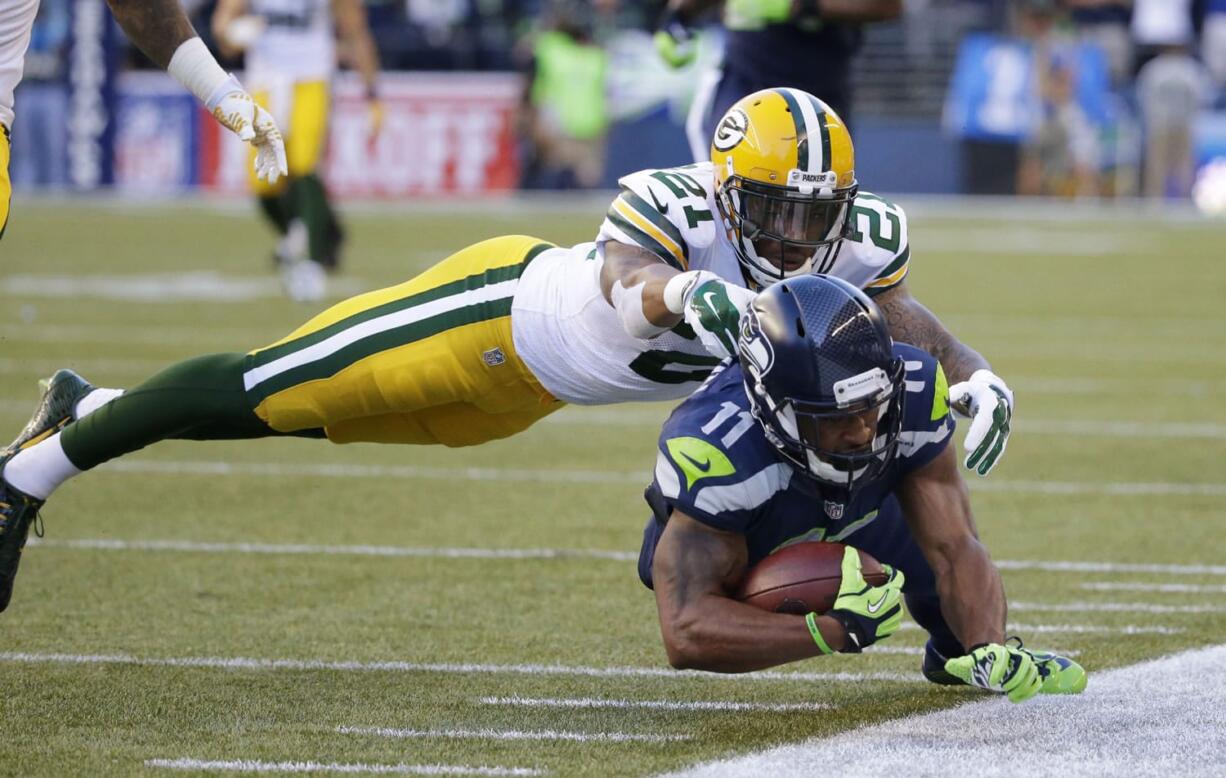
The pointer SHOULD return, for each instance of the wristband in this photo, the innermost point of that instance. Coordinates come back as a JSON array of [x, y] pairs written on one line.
[[629, 306], [679, 288], [822, 645], [194, 67]]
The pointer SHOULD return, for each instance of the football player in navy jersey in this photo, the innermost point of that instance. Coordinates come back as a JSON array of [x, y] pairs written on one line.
[[826, 430]]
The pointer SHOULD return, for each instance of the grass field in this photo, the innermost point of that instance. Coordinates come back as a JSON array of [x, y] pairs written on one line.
[[380, 608]]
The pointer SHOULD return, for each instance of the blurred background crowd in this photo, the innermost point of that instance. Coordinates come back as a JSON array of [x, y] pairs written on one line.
[[1067, 98]]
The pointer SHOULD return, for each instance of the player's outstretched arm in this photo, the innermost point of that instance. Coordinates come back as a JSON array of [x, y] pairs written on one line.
[[975, 391], [161, 30], [694, 569], [651, 297], [936, 502]]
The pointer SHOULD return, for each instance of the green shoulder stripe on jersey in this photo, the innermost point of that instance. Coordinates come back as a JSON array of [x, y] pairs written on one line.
[[476, 281], [656, 217], [940, 395], [897, 264], [643, 239], [698, 459]]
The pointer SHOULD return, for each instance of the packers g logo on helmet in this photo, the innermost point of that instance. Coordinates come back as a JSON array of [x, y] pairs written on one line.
[[731, 130], [784, 181]]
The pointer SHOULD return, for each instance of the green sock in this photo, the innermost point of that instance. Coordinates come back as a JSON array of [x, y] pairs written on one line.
[[311, 204], [200, 399], [277, 210]]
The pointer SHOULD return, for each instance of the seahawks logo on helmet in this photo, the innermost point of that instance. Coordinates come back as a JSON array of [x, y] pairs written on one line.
[[756, 352], [731, 130]]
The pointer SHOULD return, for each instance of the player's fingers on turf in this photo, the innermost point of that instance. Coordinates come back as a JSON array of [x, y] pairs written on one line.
[[993, 456], [977, 440]]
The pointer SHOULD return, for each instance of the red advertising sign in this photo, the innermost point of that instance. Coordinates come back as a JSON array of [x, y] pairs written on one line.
[[442, 133]]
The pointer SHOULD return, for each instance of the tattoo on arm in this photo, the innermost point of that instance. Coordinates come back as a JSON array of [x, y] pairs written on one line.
[[157, 27], [910, 322]]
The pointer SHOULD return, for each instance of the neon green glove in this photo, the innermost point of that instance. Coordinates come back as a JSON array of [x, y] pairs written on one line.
[[868, 613], [675, 41], [755, 14], [1006, 669]]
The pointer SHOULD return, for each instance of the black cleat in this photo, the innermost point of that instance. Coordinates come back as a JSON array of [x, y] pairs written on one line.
[[934, 668], [18, 510], [56, 408]]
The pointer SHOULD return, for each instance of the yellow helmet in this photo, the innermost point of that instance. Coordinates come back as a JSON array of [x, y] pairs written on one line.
[[784, 181]]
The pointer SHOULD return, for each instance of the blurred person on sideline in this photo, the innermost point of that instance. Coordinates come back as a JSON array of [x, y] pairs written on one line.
[[1172, 88], [563, 115], [40, 134], [805, 44], [164, 34], [1061, 158], [1159, 24], [1104, 23], [291, 51], [1213, 41]]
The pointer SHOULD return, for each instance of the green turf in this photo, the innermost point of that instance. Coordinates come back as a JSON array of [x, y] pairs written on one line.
[[1133, 334]]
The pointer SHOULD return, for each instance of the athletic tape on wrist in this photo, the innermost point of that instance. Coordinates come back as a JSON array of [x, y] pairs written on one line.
[[822, 645], [629, 306], [680, 287], [195, 68]]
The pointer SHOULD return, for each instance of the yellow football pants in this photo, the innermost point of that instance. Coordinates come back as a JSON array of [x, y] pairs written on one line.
[[305, 133], [427, 361], [6, 186]]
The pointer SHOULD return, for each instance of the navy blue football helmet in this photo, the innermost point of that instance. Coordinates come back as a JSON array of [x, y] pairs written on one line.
[[815, 350]]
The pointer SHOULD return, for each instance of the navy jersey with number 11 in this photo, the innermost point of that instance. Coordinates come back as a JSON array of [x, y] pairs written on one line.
[[715, 465]]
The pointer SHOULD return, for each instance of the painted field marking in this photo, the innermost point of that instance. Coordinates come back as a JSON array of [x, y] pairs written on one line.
[[501, 474], [1129, 607], [1161, 717], [443, 552], [256, 766], [160, 288], [1080, 629], [1165, 588], [670, 705], [248, 663], [515, 734]]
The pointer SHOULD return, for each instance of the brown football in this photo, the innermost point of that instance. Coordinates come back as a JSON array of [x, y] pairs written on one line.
[[801, 578]]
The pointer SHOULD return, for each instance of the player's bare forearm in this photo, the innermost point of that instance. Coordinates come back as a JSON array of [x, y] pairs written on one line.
[[702, 627], [936, 502], [157, 27], [354, 29], [632, 265], [910, 322], [859, 10]]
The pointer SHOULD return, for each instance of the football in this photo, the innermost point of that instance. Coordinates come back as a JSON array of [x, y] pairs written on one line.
[[801, 578]]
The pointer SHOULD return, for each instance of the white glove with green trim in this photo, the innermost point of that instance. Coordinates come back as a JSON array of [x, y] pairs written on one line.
[[988, 402], [711, 306]]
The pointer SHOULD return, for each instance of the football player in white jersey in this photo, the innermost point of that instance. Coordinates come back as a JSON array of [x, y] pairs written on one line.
[[291, 52], [504, 332], [162, 31]]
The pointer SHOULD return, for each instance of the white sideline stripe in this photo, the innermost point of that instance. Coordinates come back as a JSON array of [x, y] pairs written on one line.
[[265, 469], [1079, 629], [593, 702], [515, 734], [256, 766], [1103, 586], [104, 544], [371, 327], [1162, 717], [161, 288], [191, 546], [1137, 607], [247, 663]]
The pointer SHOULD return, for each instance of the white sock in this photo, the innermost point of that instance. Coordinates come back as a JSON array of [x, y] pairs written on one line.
[[95, 400], [40, 469]]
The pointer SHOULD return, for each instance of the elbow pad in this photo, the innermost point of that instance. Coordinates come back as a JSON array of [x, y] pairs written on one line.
[[629, 306]]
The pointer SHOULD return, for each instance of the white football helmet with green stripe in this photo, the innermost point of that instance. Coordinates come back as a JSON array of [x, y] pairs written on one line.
[[785, 180]]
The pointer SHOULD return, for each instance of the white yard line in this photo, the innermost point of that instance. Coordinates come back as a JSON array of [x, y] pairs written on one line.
[[515, 734], [361, 768], [667, 705], [247, 663], [444, 552], [1160, 588], [1162, 717], [1127, 607], [545, 475], [1079, 629]]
